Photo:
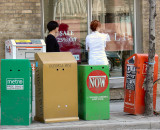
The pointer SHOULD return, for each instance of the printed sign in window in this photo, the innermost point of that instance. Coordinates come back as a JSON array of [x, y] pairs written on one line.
[[69, 37], [120, 35]]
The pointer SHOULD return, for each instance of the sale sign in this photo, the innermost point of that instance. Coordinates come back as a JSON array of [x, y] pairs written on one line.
[[69, 37]]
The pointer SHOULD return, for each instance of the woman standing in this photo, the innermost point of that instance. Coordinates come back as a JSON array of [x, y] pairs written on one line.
[[96, 44], [51, 42]]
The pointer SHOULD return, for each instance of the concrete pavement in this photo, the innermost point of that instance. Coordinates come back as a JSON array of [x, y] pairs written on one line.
[[118, 120]]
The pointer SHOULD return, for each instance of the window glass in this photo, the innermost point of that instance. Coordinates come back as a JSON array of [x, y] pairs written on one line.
[[117, 20], [116, 16], [72, 18]]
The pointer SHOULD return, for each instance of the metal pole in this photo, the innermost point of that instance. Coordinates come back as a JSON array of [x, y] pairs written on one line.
[[89, 12], [42, 19]]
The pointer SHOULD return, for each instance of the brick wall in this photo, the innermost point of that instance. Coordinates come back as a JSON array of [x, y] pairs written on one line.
[[145, 14], [19, 19]]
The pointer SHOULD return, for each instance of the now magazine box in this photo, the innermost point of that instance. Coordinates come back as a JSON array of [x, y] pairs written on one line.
[[93, 92], [16, 92], [56, 87]]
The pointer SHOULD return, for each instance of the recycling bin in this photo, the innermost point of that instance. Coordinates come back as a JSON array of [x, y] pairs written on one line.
[[93, 92], [135, 75], [16, 92]]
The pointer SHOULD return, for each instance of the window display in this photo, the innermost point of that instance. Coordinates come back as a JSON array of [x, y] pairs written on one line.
[[117, 20], [116, 16]]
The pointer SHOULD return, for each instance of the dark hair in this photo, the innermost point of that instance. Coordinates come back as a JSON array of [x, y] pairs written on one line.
[[52, 25], [94, 24]]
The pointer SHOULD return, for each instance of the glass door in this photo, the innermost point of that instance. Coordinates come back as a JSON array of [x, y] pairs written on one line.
[[117, 20], [72, 18]]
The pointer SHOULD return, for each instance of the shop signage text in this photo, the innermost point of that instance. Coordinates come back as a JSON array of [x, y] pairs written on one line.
[[97, 81]]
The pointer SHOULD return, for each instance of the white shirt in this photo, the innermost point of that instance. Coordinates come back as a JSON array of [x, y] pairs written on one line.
[[96, 43]]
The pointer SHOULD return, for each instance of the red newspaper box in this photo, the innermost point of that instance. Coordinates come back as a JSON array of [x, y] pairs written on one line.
[[135, 73]]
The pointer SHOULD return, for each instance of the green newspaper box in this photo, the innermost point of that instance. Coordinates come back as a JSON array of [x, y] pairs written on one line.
[[93, 91], [16, 101]]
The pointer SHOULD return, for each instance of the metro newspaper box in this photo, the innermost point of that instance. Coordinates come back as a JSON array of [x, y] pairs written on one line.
[[56, 87], [16, 92], [25, 49], [135, 73], [93, 90]]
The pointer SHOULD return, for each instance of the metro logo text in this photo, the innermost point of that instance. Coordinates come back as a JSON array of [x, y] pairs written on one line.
[[14, 81], [15, 84]]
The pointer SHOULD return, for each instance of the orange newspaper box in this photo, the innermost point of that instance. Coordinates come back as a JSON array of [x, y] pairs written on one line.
[[135, 73]]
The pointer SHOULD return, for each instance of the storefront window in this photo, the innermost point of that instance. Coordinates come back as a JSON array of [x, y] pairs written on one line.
[[116, 17], [72, 18]]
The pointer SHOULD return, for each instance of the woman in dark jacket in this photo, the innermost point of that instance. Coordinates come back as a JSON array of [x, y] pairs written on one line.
[[51, 42]]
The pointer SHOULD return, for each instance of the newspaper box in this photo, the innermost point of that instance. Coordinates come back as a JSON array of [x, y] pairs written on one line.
[[134, 93], [16, 91], [25, 49], [93, 92], [56, 87]]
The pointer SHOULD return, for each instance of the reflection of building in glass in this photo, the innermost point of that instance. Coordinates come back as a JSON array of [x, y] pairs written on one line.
[[74, 14], [116, 17]]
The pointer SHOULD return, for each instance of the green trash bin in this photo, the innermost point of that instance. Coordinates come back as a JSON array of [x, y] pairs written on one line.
[[16, 92], [93, 92]]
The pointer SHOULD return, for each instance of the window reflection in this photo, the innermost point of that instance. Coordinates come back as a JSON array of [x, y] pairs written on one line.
[[116, 17], [72, 17]]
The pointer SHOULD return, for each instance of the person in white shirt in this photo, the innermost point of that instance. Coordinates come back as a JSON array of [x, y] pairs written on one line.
[[96, 44]]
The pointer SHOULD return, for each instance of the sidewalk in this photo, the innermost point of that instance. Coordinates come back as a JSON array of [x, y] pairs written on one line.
[[118, 120]]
